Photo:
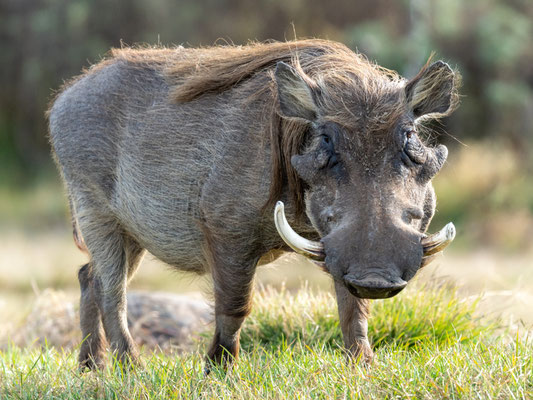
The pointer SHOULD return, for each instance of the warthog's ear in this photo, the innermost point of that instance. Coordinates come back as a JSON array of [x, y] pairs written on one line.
[[294, 93], [433, 92]]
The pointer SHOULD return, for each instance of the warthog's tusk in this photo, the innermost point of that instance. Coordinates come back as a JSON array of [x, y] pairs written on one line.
[[434, 244], [438, 241], [308, 248]]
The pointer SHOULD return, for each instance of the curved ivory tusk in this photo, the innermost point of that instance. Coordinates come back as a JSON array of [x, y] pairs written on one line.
[[308, 248], [437, 242]]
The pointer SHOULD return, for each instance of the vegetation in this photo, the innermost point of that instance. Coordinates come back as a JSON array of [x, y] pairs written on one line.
[[428, 345]]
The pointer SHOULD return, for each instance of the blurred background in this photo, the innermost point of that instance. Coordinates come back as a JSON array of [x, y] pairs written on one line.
[[486, 187]]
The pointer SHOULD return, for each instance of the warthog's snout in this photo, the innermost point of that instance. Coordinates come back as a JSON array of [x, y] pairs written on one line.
[[374, 286], [371, 285]]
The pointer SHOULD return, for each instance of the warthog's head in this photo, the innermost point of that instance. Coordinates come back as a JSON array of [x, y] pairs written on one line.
[[366, 170]]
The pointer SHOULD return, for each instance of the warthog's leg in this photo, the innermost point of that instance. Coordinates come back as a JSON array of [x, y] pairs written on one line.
[[92, 347], [114, 259], [353, 315], [233, 286]]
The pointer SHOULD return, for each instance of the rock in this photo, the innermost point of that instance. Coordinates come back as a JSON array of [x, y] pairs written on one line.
[[157, 321], [166, 321]]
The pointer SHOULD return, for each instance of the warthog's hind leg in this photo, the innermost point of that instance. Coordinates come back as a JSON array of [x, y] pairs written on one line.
[[114, 259], [92, 347], [353, 315]]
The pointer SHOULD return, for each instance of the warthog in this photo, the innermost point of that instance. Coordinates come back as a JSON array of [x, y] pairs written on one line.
[[184, 153]]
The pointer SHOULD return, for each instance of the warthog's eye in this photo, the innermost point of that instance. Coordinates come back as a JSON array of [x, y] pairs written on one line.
[[326, 143], [413, 148]]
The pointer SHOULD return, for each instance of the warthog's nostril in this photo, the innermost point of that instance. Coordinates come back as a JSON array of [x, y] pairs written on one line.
[[413, 213], [374, 287]]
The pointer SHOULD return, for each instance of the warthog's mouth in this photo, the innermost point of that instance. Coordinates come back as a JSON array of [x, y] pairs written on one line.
[[432, 245], [374, 286]]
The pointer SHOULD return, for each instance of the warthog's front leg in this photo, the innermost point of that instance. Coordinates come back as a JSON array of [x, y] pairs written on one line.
[[233, 286], [225, 345], [353, 315]]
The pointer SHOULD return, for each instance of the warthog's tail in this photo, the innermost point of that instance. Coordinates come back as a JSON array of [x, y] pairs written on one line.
[[78, 238]]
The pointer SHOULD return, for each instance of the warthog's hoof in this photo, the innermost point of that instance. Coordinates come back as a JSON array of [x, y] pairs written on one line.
[[90, 364], [360, 352]]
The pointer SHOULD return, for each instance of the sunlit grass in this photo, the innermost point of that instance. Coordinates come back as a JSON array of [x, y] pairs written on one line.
[[422, 315], [428, 345]]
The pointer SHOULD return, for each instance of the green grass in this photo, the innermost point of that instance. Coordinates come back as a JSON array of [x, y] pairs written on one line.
[[428, 344]]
